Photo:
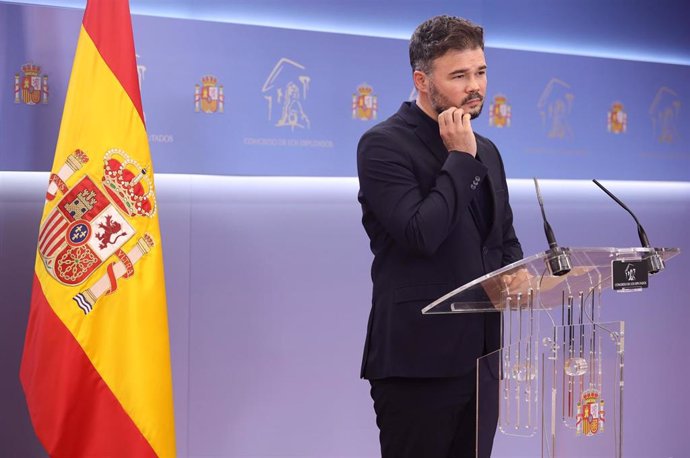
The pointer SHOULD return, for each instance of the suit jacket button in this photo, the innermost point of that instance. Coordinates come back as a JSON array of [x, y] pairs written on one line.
[[485, 250]]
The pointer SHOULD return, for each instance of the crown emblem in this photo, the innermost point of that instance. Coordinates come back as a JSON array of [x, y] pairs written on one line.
[[365, 89], [31, 69], [128, 184], [590, 396], [209, 80]]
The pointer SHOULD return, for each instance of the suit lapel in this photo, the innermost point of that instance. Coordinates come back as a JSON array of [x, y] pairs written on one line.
[[433, 141], [424, 130]]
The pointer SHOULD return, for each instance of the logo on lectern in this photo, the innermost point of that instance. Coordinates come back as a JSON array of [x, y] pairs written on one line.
[[590, 413], [630, 275], [630, 272]]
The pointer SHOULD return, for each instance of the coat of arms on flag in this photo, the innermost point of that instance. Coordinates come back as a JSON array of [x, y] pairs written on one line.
[[89, 225]]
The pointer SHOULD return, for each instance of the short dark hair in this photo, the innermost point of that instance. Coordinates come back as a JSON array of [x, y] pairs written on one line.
[[440, 34]]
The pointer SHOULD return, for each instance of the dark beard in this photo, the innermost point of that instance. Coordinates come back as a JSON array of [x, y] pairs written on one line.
[[441, 103], [477, 111]]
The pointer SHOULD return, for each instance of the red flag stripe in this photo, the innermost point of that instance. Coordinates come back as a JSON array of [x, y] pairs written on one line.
[[48, 227], [58, 232], [55, 233], [70, 404], [56, 240], [61, 244], [112, 34]]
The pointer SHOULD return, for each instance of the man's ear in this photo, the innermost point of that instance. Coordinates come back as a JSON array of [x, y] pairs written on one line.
[[421, 81]]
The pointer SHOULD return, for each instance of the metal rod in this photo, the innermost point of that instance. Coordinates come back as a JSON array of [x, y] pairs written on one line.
[[571, 352], [530, 302], [562, 351], [518, 367]]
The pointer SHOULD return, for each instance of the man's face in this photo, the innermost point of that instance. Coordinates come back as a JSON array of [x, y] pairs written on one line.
[[458, 79]]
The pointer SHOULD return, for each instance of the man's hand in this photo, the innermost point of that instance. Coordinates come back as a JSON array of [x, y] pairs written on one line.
[[456, 131], [518, 281]]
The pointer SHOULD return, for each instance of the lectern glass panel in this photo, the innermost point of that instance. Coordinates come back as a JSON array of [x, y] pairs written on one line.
[[591, 268], [556, 382]]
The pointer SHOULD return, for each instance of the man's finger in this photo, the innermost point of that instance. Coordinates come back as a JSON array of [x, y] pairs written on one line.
[[444, 117]]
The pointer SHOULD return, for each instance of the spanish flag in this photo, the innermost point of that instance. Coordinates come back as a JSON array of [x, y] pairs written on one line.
[[96, 362]]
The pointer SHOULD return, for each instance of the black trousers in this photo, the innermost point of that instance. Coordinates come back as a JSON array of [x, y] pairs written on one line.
[[434, 417]]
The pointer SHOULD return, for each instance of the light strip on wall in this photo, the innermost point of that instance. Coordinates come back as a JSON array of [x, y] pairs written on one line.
[[23, 180], [592, 52], [381, 30]]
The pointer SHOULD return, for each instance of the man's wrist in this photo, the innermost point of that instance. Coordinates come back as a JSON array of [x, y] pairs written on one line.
[[460, 152]]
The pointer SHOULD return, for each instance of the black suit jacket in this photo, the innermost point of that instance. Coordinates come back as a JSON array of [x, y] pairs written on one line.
[[436, 220]]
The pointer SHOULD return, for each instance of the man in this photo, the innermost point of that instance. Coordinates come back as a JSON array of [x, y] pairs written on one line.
[[435, 207]]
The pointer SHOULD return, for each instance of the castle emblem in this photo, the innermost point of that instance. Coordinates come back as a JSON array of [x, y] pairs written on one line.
[[665, 114], [617, 119], [209, 97], [364, 103], [30, 87], [90, 225], [590, 413], [285, 91], [555, 106], [499, 112]]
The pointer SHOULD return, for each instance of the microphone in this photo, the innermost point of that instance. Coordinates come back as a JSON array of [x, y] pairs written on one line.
[[558, 259], [656, 264]]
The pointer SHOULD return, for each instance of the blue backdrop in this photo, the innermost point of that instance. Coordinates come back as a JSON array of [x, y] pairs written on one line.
[[233, 99]]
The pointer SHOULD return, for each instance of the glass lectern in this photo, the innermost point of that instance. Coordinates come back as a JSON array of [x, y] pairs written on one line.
[[561, 389]]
